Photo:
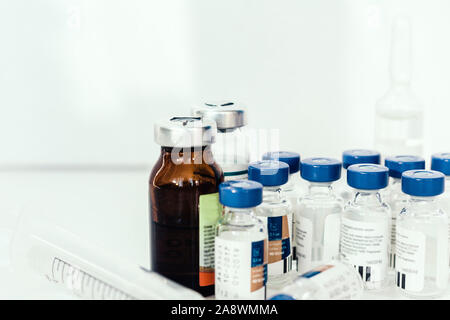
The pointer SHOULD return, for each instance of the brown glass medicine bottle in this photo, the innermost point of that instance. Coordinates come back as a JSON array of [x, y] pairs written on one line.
[[184, 203]]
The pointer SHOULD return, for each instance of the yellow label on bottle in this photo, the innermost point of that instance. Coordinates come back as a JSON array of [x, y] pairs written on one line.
[[210, 210]]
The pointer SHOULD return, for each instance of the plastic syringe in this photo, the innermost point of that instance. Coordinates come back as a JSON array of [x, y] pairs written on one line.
[[46, 250]]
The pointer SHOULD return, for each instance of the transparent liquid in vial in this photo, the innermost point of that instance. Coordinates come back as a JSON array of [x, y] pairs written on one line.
[[367, 210], [293, 190], [275, 204], [444, 200], [424, 216], [397, 200], [238, 229], [321, 209]]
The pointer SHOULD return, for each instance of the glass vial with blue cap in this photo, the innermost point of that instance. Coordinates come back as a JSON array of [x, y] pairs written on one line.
[[231, 149], [293, 189], [351, 157], [441, 162], [318, 214], [422, 236], [331, 281], [365, 225], [241, 243], [393, 194], [276, 214]]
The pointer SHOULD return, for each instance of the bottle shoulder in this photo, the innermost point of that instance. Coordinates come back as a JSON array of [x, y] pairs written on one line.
[[321, 200], [248, 228], [168, 174], [422, 211], [367, 209], [274, 207]]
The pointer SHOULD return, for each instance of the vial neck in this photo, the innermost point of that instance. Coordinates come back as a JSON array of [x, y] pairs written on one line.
[[396, 181], [238, 213], [272, 193], [422, 200], [290, 185], [323, 188], [367, 196], [423, 206], [228, 130]]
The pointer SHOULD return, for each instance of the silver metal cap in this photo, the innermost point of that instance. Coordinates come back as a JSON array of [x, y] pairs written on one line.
[[226, 114], [185, 132]]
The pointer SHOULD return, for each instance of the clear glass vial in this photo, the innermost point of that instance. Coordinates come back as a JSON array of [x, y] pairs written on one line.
[[318, 214], [350, 157], [441, 162], [393, 194], [231, 149], [275, 212], [365, 225], [295, 186], [422, 236], [293, 189], [332, 281], [241, 244]]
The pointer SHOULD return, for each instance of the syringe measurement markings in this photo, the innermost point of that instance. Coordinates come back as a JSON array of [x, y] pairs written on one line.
[[106, 291], [53, 269], [62, 273], [95, 282]]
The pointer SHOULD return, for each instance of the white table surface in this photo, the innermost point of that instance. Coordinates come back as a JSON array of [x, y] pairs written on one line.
[[107, 208]]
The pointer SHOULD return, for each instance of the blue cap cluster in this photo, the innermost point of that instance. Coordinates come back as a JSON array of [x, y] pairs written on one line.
[[367, 176], [357, 156], [269, 173], [441, 162], [321, 169], [241, 194], [399, 164], [423, 183], [291, 158]]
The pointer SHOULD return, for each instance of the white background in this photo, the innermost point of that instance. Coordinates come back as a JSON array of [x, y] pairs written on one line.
[[83, 81]]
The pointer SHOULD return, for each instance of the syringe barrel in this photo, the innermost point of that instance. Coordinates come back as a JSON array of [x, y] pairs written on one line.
[[47, 250]]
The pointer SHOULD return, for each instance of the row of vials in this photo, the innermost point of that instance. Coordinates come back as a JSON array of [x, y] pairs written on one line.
[[216, 232]]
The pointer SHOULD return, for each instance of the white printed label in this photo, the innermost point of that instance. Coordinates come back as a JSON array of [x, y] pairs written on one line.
[[339, 282], [365, 246], [303, 238], [331, 237], [410, 259], [241, 269]]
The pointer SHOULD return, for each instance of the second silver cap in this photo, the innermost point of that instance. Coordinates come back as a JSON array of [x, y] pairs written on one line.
[[185, 132], [226, 114]]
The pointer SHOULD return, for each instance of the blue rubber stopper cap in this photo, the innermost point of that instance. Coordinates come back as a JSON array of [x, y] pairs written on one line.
[[321, 169], [291, 158], [269, 173], [241, 194], [367, 176], [399, 164], [357, 156], [423, 183], [441, 162]]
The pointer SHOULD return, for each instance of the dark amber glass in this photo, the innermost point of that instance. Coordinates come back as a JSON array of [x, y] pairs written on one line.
[[175, 188]]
